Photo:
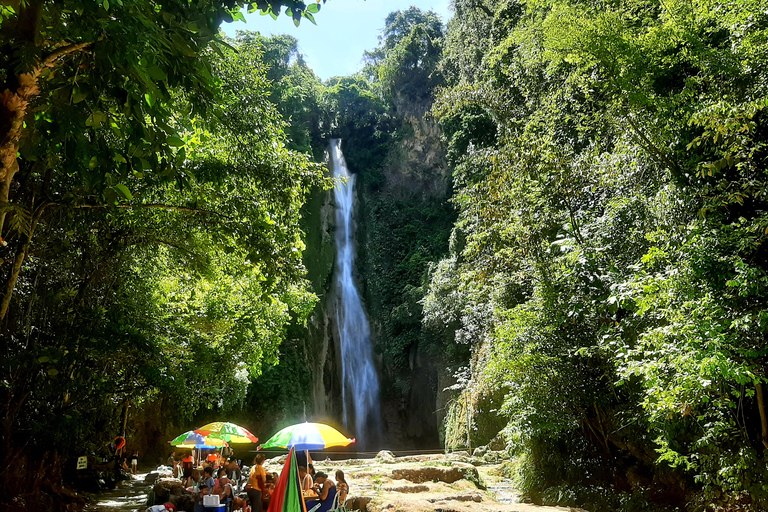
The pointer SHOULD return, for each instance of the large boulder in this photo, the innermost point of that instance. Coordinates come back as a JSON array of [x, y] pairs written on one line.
[[167, 487], [184, 501], [448, 474], [386, 457], [358, 503], [497, 443]]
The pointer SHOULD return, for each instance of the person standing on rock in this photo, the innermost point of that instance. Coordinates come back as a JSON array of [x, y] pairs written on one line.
[[135, 462]]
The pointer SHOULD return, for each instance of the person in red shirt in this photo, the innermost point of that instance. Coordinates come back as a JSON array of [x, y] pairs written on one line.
[[187, 465]]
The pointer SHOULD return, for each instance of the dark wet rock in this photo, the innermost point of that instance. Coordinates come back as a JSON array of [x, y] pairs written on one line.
[[166, 488], [151, 478], [184, 501], [358, 503]]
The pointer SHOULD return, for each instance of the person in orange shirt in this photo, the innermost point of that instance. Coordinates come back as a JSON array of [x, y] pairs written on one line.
[[257, 483], [214, 459], [187, 465]]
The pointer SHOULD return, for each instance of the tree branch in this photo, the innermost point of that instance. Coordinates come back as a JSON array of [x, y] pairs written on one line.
[[63, 51], [480, 5], [650, 147]]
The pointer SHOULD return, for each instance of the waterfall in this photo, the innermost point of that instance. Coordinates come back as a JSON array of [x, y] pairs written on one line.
[[360, 383]]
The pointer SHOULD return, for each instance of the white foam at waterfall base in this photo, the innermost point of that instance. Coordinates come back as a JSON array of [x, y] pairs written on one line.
[[360, 389]]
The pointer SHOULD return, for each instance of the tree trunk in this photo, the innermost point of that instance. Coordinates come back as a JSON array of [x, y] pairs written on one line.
[[763, 416], [13, 109], [18, 260]]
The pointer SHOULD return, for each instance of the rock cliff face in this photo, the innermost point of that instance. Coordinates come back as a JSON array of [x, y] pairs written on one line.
[[408, 190], [322, 348]]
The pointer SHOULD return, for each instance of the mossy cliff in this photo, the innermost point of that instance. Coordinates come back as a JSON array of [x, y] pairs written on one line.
[[403, 224]]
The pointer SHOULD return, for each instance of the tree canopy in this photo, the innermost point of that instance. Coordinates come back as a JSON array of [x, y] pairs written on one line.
[[610, 165]]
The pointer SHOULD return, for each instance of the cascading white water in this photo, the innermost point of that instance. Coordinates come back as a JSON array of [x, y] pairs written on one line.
[[360, 383]]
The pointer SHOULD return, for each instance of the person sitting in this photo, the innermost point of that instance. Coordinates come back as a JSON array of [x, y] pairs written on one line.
[[269, 488], [341, 486], [206, 487], [233, 470], [326, 491], [226, 492], [194, 482], [305, 479], [208, 482]]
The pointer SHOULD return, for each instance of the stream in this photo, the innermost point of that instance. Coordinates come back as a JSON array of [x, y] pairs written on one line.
[[128, 495]]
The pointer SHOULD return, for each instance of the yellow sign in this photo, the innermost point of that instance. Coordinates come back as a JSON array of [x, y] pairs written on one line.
[[82, 462]]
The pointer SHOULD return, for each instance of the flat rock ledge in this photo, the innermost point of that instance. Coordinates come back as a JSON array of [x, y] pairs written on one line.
[[440, 483]]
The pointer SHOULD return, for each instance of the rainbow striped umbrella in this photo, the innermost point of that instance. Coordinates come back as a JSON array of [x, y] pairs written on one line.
[[229, 432], [287, 495], [192, 439], [307, 436]]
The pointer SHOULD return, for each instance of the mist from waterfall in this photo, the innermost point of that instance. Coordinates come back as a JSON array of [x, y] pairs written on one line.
[[360, 383]]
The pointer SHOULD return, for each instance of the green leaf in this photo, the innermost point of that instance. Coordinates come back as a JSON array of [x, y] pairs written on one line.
[[43, 359], [79, 96], [310, 17], [123, 191], [106, 4], [52, 372], [157, 73], [313, 8], [96, 119], [175, 141]]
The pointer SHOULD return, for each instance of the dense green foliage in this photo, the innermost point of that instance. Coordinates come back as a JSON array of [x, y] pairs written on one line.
[[609, 259], [598, 283], [152, 227]]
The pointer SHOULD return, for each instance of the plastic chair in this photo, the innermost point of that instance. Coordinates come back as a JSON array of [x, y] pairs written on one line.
[[335, 506]]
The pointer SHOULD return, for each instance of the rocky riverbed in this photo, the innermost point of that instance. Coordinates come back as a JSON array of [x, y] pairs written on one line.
[[444, 483]]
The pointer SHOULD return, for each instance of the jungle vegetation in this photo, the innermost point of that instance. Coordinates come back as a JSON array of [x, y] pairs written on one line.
[[592, 273]]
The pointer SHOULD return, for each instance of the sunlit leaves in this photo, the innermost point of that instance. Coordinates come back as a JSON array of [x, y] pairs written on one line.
[[611, 183]]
